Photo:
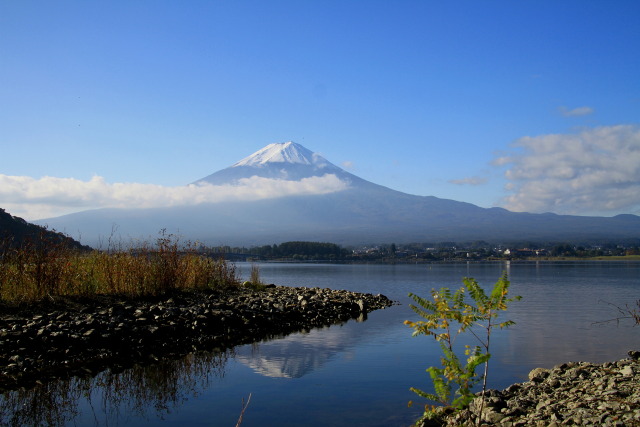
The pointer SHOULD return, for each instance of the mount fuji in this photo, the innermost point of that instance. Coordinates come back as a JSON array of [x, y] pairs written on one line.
[[349, 210], [287, 161]]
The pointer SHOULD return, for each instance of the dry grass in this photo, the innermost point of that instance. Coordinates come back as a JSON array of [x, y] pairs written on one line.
[[40, 269]]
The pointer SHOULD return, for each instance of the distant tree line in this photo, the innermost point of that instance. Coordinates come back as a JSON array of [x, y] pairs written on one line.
[[580, 251], [423, 252], [302, 251]]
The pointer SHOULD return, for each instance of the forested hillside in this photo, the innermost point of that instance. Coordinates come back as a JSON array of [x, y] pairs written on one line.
[[15, 232]]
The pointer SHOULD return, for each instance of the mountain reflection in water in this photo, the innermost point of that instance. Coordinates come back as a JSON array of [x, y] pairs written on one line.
[[298, 354], [154, 391], [141, 391]]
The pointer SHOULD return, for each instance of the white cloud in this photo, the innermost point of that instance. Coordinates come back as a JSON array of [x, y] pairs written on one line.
[[347, 164], [594, 171], [32, 198], [472, 180], [576, 112]]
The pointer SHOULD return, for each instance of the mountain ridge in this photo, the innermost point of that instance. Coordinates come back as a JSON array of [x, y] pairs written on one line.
[[361, 213]]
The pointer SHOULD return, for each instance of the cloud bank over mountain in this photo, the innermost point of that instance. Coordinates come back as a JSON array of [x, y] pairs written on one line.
[[33, 198], [593, 171]]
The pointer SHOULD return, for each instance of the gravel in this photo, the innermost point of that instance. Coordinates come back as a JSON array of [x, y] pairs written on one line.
[[65, 337]]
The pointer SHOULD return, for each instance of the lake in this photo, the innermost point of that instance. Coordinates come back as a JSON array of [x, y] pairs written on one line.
[[358, 372]]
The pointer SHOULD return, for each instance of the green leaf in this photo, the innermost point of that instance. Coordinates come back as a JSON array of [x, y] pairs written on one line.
[[448, 311], [424, 394]]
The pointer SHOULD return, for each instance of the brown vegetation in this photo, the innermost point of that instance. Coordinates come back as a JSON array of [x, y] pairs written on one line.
[[40, 268]]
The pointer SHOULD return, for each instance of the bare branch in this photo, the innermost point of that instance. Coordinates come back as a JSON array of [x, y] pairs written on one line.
[[244, 407], [626, 312]]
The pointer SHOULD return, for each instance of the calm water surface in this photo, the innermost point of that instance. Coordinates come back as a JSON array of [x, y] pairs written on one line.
[[356, 373]]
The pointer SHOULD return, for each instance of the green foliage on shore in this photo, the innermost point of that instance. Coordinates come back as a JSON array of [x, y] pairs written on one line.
[[447, 315], [40, 268]]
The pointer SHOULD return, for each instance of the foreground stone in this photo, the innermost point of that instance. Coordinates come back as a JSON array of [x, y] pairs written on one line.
[[66, 337], [576, 393]]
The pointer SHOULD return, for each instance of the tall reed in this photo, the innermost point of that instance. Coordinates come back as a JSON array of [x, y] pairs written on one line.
[[39, 268]]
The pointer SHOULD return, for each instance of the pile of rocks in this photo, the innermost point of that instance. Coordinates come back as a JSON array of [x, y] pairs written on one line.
[[577, 393], [83, 337]]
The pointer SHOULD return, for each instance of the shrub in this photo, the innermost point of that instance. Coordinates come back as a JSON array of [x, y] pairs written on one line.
[[447, 315]]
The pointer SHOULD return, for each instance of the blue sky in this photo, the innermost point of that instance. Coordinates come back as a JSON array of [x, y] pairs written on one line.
[[529, 105]]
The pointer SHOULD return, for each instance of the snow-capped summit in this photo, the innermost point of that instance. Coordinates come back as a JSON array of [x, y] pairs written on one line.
[[287, 160], [286, 152]]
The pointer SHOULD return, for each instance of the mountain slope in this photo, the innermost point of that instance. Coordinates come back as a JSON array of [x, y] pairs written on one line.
[[362, 213]]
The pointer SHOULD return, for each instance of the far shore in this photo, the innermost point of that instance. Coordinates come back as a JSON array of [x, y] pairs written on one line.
[[627, 258]]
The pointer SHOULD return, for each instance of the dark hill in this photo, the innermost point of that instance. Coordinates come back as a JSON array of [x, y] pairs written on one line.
[[16, 232]]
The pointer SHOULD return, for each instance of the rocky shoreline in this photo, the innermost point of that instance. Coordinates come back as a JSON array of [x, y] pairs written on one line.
[[67, 337], [576, 393]]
